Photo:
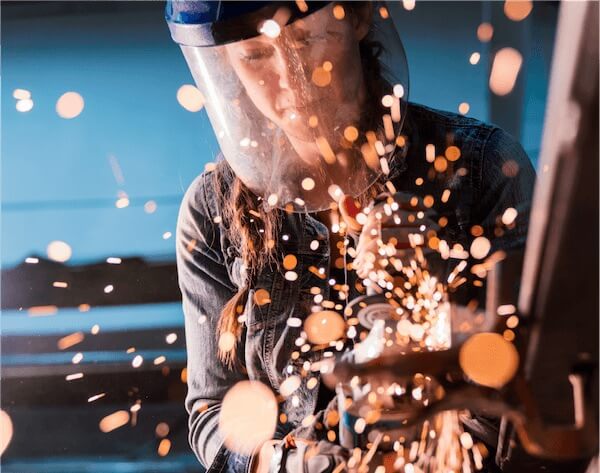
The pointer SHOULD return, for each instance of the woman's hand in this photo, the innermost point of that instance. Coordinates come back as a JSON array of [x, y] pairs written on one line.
[[262, 459], [389, 231]]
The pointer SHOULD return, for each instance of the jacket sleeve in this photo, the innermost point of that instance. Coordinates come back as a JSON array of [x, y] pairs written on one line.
[[205, 287], [506, 181]]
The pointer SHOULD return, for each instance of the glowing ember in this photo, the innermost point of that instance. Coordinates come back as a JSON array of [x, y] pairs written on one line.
[[77, 358], [409, 4], [270, 28], [150, 207], [505, 69], [248, 416], [137, 361], [324, 327], [171, 338], [95, 329], [113, 260], [509, 216], [387, 100], [114, 421], [325, 150], [21, 94], [464, 108], [60, 284], [24, 105], [308, 183], [485, 31], [452, 153], [290, 262], [122, 202], [69, 105], [430, 153], [351, 133], [190, 98], [321, 77], [480, 247], [109, 288], [517, 10], [262, 296], [96, 397], [302, 6], [507, 309], [291, 275], [474, 58], [488, 359], [167, 235], [159, 359], [6, 431], [164, 447], [289, 386], [31, 260], [71, 377], [226, 342], [162, 429], [59, 251], [70, 340], [338, 12]]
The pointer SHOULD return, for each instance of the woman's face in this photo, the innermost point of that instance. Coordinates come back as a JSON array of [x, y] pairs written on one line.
[[311, 69]]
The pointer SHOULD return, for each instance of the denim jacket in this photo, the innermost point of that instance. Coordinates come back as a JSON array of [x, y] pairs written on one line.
[[492, 174]]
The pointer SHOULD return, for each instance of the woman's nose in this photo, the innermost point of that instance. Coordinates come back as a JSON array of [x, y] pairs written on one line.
[[283, 66]]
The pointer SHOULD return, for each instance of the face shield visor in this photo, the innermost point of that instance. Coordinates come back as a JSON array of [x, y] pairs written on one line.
[[306, 105]]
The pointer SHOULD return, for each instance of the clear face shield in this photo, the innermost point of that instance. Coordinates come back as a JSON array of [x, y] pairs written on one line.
[[304, 110]]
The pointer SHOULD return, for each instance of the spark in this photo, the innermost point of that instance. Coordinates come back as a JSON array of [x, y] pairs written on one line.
[[308, 183], [226, 342], [150, 207], [96, 397], [114, 421], [70, 340], [244, 429], [164, 447], [24, 105], [190, 98], [485, 32], [69, 105], [505, 69], [464, 108], [517, 10], [21, 94], [338, 12], [59, 251], [290, 385], [270, 28]]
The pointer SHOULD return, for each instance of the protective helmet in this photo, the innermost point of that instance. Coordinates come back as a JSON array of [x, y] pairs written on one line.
[[306, 98]]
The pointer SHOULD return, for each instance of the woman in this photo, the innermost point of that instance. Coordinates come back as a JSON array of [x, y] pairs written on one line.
[[308, 102]]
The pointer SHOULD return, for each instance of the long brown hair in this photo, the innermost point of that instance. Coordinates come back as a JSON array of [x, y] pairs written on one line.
[[253, 228]]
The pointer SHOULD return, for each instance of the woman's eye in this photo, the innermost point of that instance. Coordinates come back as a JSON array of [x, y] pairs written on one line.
[[255, 55], [302, 43]]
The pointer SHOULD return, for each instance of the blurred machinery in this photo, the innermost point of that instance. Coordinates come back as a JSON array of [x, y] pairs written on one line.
[[542, 380]]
